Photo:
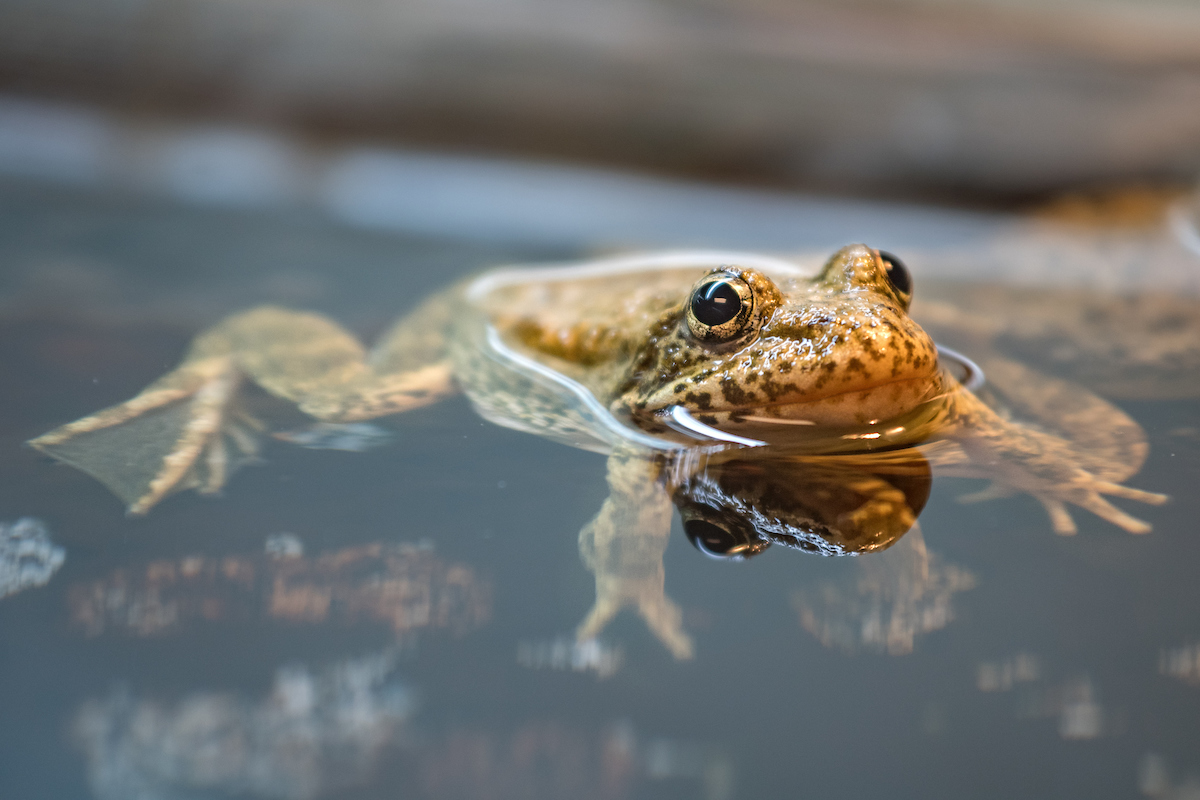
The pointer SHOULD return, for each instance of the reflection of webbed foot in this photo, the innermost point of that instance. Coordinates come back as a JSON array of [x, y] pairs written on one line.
[[176, 434]]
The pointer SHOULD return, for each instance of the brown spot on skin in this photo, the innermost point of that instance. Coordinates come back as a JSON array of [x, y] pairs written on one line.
[[777, 389], [707, 419], [702, 400], [734, 394]]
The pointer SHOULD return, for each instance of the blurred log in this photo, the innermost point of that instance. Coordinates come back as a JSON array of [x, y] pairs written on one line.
[[906, 96]]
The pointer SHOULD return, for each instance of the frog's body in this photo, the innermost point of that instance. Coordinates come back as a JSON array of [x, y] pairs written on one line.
[[749, 351]]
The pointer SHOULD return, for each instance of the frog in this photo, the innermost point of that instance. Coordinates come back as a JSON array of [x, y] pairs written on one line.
[[664, 362], [739, 505]]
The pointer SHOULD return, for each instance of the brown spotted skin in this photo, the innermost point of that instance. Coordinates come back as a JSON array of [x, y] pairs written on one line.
[[838, 348], [834, 351]]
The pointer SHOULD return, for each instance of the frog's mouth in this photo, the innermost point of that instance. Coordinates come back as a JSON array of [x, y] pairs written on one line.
[[861, 404], [845, 416], [867, 404]]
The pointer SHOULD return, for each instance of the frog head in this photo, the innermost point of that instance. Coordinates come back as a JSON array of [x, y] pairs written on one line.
[[835, 349]]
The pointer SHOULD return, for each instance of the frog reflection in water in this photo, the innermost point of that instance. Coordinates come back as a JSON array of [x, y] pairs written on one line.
[[617, 357]]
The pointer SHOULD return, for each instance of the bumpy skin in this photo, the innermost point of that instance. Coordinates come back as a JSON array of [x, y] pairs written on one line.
[[835, 349], [826, 356]]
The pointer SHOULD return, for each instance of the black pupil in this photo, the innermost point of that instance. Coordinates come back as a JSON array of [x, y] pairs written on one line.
[[716, 303], [715, 539], [897, 273]]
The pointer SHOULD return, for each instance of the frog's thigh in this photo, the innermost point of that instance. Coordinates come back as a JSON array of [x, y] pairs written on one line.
[[1104, 440], [315, 363]]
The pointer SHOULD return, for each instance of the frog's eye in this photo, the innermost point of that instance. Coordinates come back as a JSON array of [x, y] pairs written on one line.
[[717, 541], [898, 274], [719, 308]]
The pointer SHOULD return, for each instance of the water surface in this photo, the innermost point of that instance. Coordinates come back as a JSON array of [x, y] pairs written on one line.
[[160, 661]]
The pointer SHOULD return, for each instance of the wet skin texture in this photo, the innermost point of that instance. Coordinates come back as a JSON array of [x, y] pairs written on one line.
[[835, 349], [739, 349]]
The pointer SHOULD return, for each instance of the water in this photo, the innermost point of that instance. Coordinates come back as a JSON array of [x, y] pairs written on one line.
[[397, 622]]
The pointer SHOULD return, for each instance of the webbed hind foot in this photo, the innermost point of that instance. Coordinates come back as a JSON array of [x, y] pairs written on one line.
[[1090, 497], [179, 433]]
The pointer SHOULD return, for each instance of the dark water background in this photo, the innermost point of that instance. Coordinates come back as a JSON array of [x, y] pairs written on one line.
[[101, 295]]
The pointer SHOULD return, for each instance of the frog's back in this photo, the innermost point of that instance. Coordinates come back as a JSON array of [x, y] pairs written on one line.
[[537, 350], [580, 323]]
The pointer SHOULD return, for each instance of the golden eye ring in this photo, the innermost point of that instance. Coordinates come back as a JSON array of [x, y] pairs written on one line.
[[720, 307]]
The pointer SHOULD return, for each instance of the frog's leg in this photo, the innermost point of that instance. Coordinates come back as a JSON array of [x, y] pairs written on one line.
[[1077, 451], [311, 361], [623, 546], [169, 436], [178, 432]]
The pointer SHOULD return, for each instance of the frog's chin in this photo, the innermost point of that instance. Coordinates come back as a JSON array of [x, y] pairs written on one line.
[[856, 407]]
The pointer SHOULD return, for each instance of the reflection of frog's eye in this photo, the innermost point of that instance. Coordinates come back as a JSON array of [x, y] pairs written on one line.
[[717, 542], [897, 273], [719, 308]]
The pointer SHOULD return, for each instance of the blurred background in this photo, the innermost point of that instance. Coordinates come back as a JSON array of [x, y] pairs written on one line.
[[166, 162], [963, 101]]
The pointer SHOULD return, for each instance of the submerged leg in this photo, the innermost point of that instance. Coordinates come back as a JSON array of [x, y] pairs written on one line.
[[623, 546], [1088, 495], [173, 387], [186, 429], [208, 408], [149, 445], [1058, 471]]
